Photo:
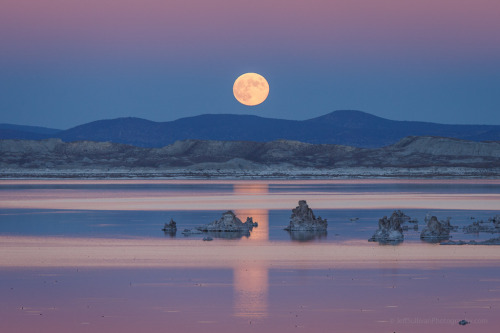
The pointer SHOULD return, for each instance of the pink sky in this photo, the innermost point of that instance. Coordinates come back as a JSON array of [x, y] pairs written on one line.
[[458, 28]]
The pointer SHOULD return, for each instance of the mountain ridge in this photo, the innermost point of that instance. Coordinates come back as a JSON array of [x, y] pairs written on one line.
[[344, 127]]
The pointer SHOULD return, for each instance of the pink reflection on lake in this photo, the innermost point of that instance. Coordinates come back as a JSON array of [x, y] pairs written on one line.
[[170, 199], [65, 284], [190, 300]]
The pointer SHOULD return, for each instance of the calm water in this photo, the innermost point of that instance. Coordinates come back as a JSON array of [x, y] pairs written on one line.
[[131, 209], [90, 256]]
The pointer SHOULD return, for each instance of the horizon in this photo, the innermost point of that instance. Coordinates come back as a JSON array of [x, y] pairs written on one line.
[[233, 114]]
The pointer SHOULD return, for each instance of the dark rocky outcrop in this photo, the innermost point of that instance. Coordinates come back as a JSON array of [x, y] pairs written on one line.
[[170, 227], [303, 219], [496, 221], [435, 230], [390, 229]]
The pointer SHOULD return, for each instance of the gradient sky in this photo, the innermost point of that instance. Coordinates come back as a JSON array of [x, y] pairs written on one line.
[[67, 62]]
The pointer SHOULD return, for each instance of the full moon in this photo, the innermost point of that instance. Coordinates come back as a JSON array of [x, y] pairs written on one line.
[[250, 89]]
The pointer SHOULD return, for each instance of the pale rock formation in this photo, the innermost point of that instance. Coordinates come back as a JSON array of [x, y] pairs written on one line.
[[229, 222], [390, 229], [303, 219], [188, 232]]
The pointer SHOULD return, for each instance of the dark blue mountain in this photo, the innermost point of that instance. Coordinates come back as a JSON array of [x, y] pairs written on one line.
[[353, 128], [21, 132]]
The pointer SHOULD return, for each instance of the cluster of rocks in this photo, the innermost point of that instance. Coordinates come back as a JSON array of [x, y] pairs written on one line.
[[390, 230], [228, 226], [303, 219], [492, 226], [304, 226]]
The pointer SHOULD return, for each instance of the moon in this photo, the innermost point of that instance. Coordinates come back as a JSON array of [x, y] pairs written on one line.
[[251, 89]]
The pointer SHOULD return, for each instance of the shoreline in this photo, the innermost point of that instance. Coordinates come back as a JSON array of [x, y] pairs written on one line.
[[271, 174]]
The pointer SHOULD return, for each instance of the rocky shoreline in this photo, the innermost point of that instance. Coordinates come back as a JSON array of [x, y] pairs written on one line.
[[412, 157], [270, 173]]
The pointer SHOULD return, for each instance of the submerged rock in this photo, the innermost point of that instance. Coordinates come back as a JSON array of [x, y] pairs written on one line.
[[187, 232], [496, 221], [492, 226], [229, 223], [228, 234], [303, 219], [436, 230], [491, 241], [479, 226], [390, 229], [170, 227], [251, 223]]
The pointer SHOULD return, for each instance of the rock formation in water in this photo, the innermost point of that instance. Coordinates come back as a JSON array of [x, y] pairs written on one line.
[[229, 223], [496, 221], [491, 241], [390, 229], [436, 230], [170, 227], [303, 219], [492, 226], [188, 232]]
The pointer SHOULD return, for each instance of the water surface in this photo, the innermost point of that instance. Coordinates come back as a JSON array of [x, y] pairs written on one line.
[[89, 256]]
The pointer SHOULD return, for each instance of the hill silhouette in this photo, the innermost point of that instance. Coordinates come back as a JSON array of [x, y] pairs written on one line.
[[352, 128]]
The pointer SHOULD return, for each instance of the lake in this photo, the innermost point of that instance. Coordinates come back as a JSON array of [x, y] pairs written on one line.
[[90, 256]]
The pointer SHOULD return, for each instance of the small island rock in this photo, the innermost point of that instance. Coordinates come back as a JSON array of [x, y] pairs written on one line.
[[436, 230], [229, 222], [303, 219], [390, 229], [170, 227]]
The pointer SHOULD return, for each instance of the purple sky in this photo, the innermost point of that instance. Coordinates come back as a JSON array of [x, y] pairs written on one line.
[[67, 62]]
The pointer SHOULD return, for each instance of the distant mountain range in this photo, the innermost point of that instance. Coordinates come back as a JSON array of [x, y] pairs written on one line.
[[20, 132], [351, 128]]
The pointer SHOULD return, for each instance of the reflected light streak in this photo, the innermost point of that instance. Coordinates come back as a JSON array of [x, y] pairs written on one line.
[[253, 193], [97, 200], [251, 284]]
